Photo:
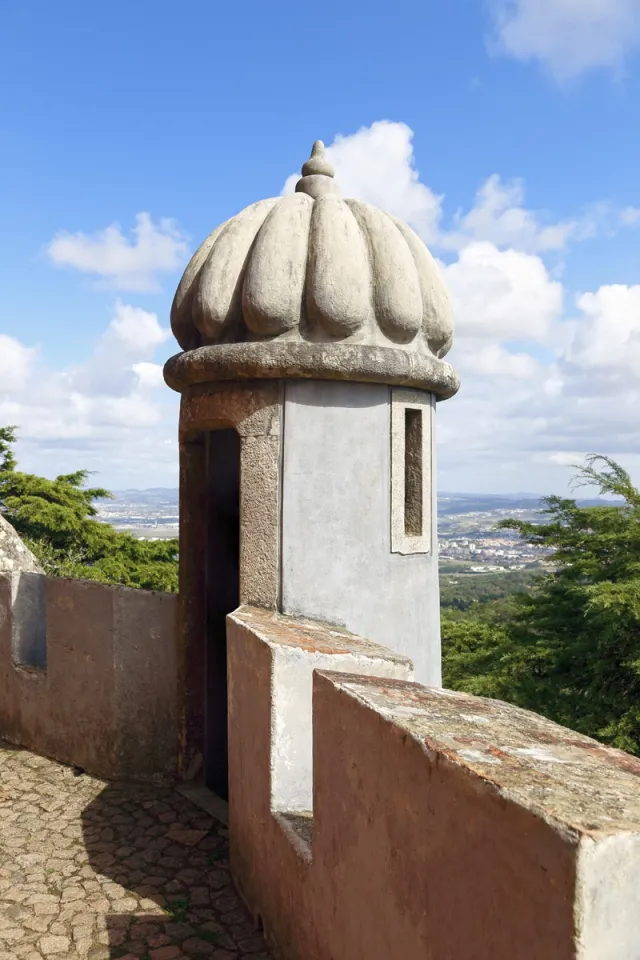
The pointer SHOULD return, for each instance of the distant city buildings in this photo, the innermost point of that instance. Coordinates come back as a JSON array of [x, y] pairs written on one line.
[[469, 537], [511, 552], [140, 512]]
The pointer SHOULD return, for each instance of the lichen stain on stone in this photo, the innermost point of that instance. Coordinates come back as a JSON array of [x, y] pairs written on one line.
[[477, 755], [310, 636], [556, 773]]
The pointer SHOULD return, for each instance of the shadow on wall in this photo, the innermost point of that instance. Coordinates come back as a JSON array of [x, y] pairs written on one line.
[[165, 885], [29, 622]]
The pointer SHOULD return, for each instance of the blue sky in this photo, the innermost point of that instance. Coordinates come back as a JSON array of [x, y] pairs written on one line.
[[188, 112]]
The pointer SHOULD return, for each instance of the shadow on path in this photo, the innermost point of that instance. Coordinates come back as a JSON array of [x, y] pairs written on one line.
[[164, 886]]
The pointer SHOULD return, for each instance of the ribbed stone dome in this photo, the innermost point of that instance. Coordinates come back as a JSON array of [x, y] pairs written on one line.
[[312, 285]]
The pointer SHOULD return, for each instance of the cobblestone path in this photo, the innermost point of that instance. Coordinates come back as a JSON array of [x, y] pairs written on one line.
[[97, 871]]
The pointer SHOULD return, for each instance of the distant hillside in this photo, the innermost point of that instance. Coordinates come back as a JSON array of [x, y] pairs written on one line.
[[448, 503], [145, 497], [459, 503]]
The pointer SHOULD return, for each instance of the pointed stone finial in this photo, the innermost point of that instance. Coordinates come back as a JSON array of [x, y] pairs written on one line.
[[317, 174], [318, 162]]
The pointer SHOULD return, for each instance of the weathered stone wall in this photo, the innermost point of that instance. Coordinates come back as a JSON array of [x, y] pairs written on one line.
[[443, 826], [106, 700]]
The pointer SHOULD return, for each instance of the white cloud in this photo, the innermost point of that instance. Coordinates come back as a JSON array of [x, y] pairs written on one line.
[[565, 458], [630, 216], [123, 264], [107, 414], [377, 165], [15, 364], [498, 215], [493, 360], [568, 37], [527, 395], [135, 331], [516, 421], [149, 375], [502, 295], [132, 337], [607, 341]]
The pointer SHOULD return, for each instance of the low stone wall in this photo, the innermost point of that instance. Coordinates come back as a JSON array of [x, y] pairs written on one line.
[[95, 686], [426, 824]]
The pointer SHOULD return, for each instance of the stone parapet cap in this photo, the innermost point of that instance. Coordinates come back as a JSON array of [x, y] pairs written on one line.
[[558, 774], [310, 636], [278, 359]]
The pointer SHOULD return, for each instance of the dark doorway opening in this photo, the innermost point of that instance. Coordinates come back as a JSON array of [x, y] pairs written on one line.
[[223, 594]]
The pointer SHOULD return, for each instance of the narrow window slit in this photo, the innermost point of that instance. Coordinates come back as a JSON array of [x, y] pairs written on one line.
[[412, 472]]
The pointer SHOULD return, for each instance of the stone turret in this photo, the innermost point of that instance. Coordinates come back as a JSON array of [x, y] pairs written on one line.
[[313, 331]]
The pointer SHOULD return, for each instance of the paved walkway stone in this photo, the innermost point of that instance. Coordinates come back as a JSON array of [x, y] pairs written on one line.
[[99, 871]]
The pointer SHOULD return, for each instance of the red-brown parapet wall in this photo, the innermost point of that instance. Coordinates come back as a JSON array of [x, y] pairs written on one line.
[[415, 823], [105, 700]]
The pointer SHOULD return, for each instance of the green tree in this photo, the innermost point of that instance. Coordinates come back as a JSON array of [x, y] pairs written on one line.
[[471, 588], [7, 438], [57, 521], [570, 647], [477, 655]]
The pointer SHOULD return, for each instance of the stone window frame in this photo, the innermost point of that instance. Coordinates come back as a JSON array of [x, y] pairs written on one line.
[[403, 399]]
